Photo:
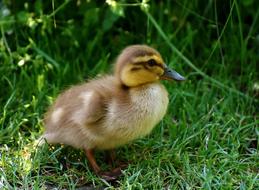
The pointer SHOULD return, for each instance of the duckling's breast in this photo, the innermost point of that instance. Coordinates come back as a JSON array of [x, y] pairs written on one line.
[[127, 121]]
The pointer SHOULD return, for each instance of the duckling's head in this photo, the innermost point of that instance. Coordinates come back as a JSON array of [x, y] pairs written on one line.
[[141, 64]]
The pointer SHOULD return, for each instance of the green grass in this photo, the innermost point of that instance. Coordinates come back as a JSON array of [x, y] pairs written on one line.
[[209, 137]]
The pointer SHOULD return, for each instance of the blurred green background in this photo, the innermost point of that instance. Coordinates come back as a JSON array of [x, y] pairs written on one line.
[[209, 138]]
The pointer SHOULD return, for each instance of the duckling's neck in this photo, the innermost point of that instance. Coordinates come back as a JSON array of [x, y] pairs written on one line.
[[138, 87]]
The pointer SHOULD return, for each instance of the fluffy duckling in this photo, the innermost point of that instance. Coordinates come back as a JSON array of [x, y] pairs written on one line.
[[112, 110]]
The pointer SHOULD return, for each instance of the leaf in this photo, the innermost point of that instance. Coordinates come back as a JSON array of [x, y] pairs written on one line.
[[110, 19], [22, 17]]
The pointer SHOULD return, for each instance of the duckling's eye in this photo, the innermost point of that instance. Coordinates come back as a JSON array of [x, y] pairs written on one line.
[[151, 62]]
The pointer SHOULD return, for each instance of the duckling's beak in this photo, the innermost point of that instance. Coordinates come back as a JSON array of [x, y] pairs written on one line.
[[170, 74]]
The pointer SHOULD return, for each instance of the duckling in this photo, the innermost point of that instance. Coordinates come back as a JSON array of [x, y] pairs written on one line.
[[112, 110]]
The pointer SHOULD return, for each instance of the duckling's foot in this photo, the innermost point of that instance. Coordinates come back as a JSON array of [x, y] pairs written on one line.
[[108, 176], [111, 175], [123, 165]]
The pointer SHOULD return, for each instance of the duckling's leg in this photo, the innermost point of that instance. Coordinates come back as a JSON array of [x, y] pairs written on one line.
[[108, 176], [110, 157], [91, 159]]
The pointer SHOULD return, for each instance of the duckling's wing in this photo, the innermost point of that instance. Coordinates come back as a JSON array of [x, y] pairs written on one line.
[[93, 109]]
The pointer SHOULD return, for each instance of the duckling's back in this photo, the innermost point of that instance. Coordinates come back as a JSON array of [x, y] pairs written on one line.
[[77, 114]]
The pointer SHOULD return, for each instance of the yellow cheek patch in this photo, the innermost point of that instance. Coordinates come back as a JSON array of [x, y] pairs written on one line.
[[137, 77], [159, 70]]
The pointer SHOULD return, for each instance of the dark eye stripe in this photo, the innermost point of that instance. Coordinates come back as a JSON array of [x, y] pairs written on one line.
[[139, 63], [135, 68], [145, 64]]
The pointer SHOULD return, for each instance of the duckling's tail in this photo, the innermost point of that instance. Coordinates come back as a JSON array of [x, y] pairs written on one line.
[[40, 141], [45, 138]]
